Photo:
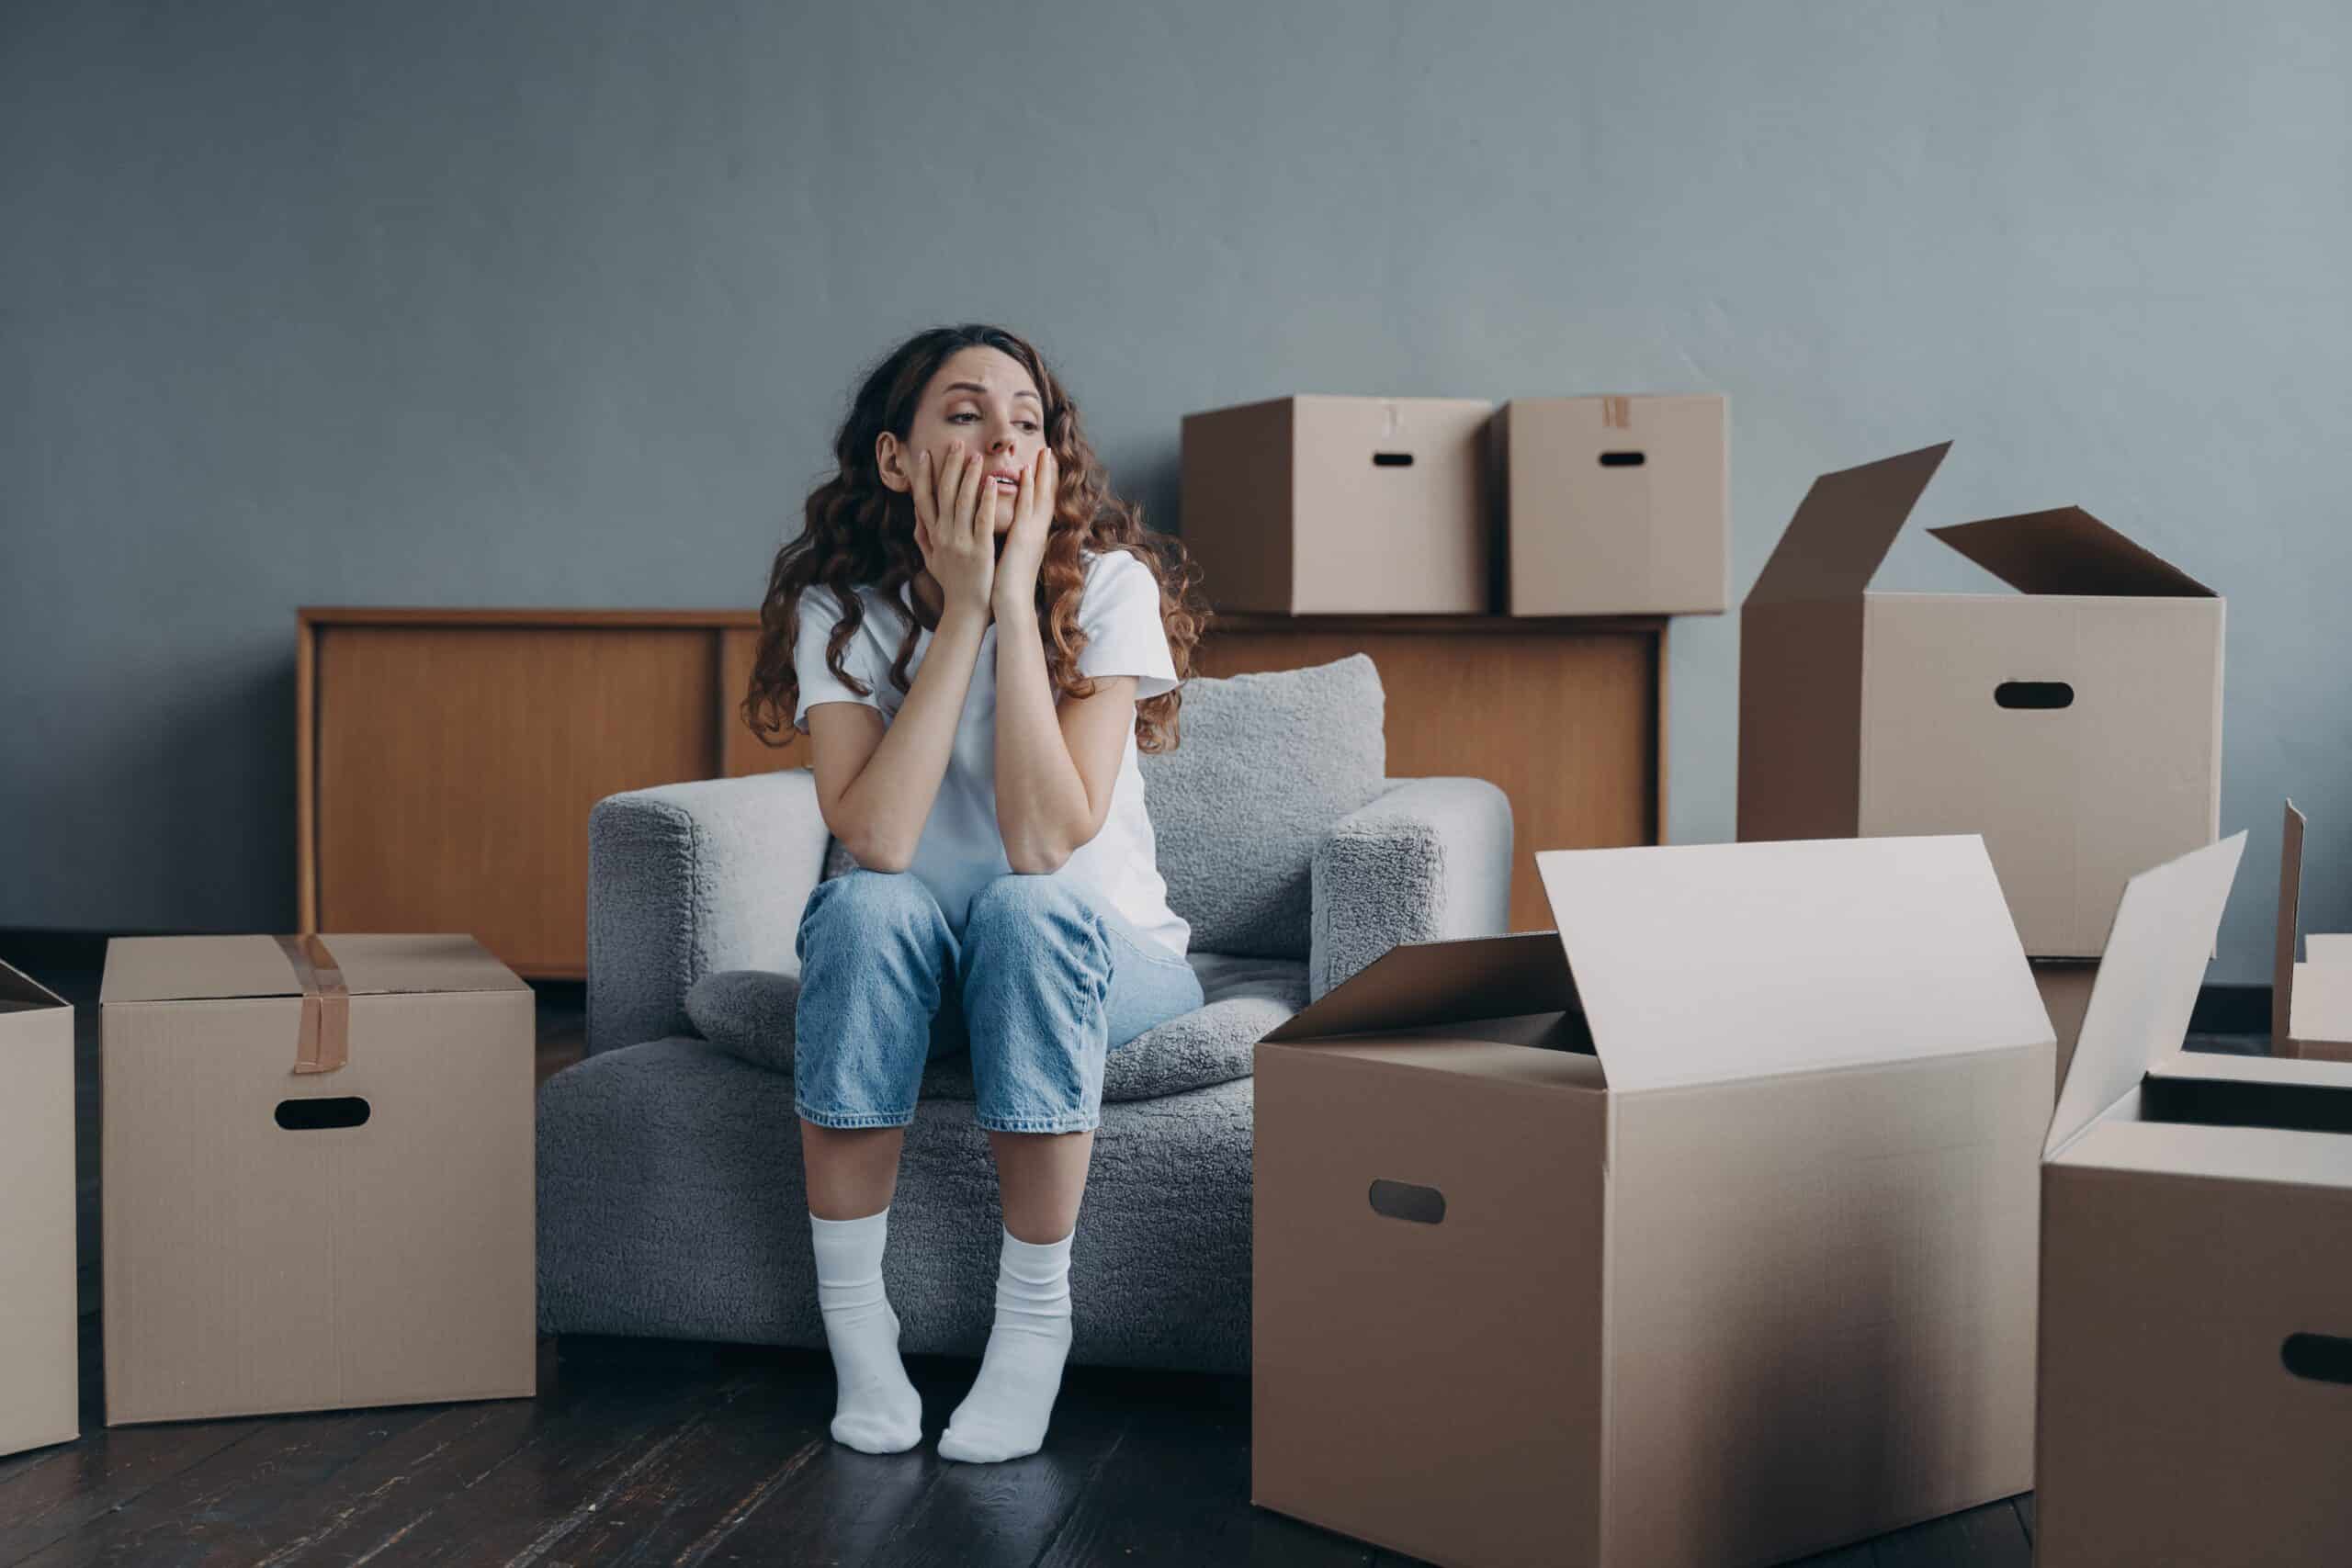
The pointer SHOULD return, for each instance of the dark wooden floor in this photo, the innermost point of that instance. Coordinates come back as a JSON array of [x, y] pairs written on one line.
[[639, 1451]]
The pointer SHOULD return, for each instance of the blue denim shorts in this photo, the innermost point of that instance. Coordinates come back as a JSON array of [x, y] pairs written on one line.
[[1042, 982]]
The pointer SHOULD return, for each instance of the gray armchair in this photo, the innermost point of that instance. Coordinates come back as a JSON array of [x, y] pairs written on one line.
[[670, 1200]]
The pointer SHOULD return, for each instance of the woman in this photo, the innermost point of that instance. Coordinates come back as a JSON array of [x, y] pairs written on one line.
[[978, 637]]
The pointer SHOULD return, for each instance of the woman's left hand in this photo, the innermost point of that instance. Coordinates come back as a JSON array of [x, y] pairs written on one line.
[[1025, 544]]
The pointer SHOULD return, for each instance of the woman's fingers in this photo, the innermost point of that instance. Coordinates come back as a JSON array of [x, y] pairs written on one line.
[[925, 493], [984, 516], [967, 494]]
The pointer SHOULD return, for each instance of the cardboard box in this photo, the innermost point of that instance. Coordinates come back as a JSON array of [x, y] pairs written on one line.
[[2310, 1003], [317, 1161], [39, 1367], [1615, 507], [2196, 1399], [2076, 724], [1328, 506], [1701, 1231]]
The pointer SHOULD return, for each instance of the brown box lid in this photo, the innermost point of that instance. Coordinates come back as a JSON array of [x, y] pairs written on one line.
[[1849, 520], [1818, 953], [2149, 976], [177, 968], [20, 992]]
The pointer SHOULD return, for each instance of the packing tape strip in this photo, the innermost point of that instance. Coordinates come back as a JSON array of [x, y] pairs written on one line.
[[1617, 414], [324, 1042]]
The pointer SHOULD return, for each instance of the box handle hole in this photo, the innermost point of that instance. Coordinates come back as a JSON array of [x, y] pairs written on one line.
[[1403, 1200], [1623, 460], [1391, 459], [2034, 694], [2322, 1357], [316, 1111]]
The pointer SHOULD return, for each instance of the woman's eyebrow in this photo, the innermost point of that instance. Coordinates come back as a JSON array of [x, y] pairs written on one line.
[[976, 387]]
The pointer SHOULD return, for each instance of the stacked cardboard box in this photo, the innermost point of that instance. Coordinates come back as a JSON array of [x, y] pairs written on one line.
[[1615, 506], [1329, 505], [1440, 506], [317, 1170], [39, 1382]]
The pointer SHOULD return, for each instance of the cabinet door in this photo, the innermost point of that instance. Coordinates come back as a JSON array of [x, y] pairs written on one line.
[[456, 767]]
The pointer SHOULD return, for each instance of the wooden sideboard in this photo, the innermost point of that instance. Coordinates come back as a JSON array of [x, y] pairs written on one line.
[[446, 760]]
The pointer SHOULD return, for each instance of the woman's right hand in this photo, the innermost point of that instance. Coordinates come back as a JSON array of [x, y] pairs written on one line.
[[955, 525]]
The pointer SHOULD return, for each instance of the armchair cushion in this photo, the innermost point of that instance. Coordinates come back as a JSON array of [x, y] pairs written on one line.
[[1427, 861], [687, 878], [1266, 764]]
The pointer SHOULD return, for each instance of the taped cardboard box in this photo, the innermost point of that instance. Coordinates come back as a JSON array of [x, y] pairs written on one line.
[[318, 1160], [1701, 1231], [2075, 724], [1615, 507], [2196, 1398], [1333, 505], [39, 1369], [2311, 1002]]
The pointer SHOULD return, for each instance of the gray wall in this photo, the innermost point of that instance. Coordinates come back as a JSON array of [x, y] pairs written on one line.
[[557, 303]]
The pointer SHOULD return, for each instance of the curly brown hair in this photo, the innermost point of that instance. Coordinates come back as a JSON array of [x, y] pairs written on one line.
[[858, 532]]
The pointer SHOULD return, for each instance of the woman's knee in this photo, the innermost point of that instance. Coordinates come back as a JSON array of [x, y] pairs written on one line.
[[861, 909], [1020, 912]]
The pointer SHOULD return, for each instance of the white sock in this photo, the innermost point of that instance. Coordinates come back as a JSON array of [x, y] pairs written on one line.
[[1005, 1414], [876, 1410]]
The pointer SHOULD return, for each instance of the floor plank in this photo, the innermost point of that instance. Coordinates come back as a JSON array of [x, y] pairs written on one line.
[[228, 1507], [742, 1449], [1175, 1494], [540, 1477]]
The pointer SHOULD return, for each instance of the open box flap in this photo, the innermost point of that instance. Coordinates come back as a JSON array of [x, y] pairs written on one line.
[[18, 990], [2312, 1000], [1843, 529], [2217, 1067], [1429, 983], [2320, 1013], [1711, 963], [2282, 952], [2067, 550], [2148, 978], [181, 968]]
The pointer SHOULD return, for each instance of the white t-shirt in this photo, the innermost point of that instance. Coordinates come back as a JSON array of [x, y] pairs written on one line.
[[961, 850]]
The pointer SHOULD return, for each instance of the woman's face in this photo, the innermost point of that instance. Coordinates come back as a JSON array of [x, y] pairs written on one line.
[[981, 401]]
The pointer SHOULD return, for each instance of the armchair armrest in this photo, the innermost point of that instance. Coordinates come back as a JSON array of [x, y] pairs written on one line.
[[688, 878], [1426, 859]]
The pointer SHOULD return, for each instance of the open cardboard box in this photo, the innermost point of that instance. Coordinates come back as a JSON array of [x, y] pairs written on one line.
[[39, 1382], [1700, 1231], [2076, 724], [2196, 1365], [2311, 1002]]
